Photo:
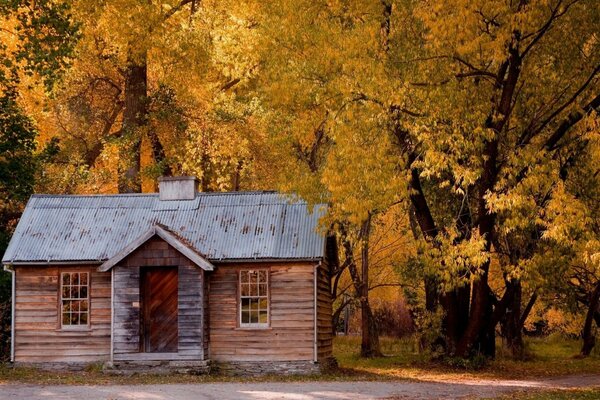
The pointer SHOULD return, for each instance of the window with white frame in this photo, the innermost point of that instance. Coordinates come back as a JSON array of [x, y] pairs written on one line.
[[75, 302], [254, 298]]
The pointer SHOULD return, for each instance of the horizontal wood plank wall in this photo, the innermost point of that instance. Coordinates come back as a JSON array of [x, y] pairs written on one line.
[[155, 253], [324, 311], [38, 333], [291, 333]]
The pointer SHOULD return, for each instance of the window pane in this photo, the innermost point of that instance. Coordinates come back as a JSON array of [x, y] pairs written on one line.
[[83, 278], [83, 318], [263, 276], [66, 292], [263, 304], [66, 306], [83, 292], [245, 289], [74, 292], [66, 319], [262, 289], [75, 319], [253, 289], [245, 317], [74, 278], [66, 279], [254, 317], [253, 277], [83, 305], [245, 304], [244, 276], [264, 317]]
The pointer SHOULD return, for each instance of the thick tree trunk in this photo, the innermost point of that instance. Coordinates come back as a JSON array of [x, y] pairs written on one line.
[[589, 339], [135, 122], [429, 230], [478, 333], [513, 329], [135, 116]]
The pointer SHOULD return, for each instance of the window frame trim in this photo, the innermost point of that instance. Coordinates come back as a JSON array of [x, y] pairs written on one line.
[[80, 327], [253, 326]]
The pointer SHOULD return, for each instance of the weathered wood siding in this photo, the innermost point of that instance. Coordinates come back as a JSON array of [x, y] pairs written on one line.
[[290, 335], [38, 333], [324, 311], [156, 252]]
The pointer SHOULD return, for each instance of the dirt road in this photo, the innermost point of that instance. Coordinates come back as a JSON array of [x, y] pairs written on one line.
[[296, 391]]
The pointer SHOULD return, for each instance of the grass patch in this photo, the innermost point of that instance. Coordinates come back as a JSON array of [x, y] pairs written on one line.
[[551, 356], [547, 357]]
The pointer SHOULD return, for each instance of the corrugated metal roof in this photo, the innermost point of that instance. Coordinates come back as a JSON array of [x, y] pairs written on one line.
[[221, 226]]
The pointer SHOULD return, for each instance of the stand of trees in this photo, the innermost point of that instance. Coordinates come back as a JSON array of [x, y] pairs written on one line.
[[457, 143]]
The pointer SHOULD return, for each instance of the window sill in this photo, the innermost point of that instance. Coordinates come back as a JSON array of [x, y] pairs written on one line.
[[253, 328], [82, 329]]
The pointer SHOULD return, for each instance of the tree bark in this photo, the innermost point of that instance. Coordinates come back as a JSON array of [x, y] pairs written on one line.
[[477, 329], [370, 336], [428, 228], [513, 329], [589, 339], [135, 117]]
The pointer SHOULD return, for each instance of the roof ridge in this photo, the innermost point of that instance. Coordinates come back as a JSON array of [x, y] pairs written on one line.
[[233, 193]]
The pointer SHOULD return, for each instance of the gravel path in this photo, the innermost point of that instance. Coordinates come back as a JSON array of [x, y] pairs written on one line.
[[296, 391]]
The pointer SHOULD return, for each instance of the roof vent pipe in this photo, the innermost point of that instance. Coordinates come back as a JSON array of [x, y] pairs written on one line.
[[177, 187]]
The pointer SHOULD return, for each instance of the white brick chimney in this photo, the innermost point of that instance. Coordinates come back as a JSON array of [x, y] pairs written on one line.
[[177, 187]]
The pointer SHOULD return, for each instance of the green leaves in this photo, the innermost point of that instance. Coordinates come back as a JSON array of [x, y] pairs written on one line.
[[46, 35]]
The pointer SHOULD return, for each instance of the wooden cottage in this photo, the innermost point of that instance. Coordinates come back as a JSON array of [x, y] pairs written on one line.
[[178, 278]]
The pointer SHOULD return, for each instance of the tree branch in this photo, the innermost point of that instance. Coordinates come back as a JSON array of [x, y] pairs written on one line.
[[572, 119], [528, 135], [176, 8]]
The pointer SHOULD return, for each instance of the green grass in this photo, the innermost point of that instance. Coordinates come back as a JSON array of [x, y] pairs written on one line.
[[552, 356]]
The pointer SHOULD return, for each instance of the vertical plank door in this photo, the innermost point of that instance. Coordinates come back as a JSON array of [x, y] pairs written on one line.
[[159, 309]]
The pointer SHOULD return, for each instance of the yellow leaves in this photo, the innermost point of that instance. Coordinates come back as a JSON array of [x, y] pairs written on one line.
[[564, 217], [456, 262]]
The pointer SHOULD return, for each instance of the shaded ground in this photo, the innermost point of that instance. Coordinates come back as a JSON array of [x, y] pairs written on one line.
[[466, 388]]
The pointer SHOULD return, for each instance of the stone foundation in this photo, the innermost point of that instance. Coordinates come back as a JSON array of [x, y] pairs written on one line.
[[157, 367], [237, 368], [58, 366]]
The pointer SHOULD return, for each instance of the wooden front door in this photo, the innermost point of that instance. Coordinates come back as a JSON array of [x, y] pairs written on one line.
[[159, 333]]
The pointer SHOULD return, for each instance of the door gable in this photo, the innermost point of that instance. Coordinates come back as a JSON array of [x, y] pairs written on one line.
[[168, 236]]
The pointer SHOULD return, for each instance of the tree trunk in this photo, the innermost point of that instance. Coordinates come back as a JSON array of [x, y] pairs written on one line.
[[135, 116], [370, 336], [513, 329], [429, 230], [589, 339]]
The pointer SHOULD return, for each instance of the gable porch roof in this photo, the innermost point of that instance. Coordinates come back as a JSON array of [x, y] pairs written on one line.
[[161, 231]]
